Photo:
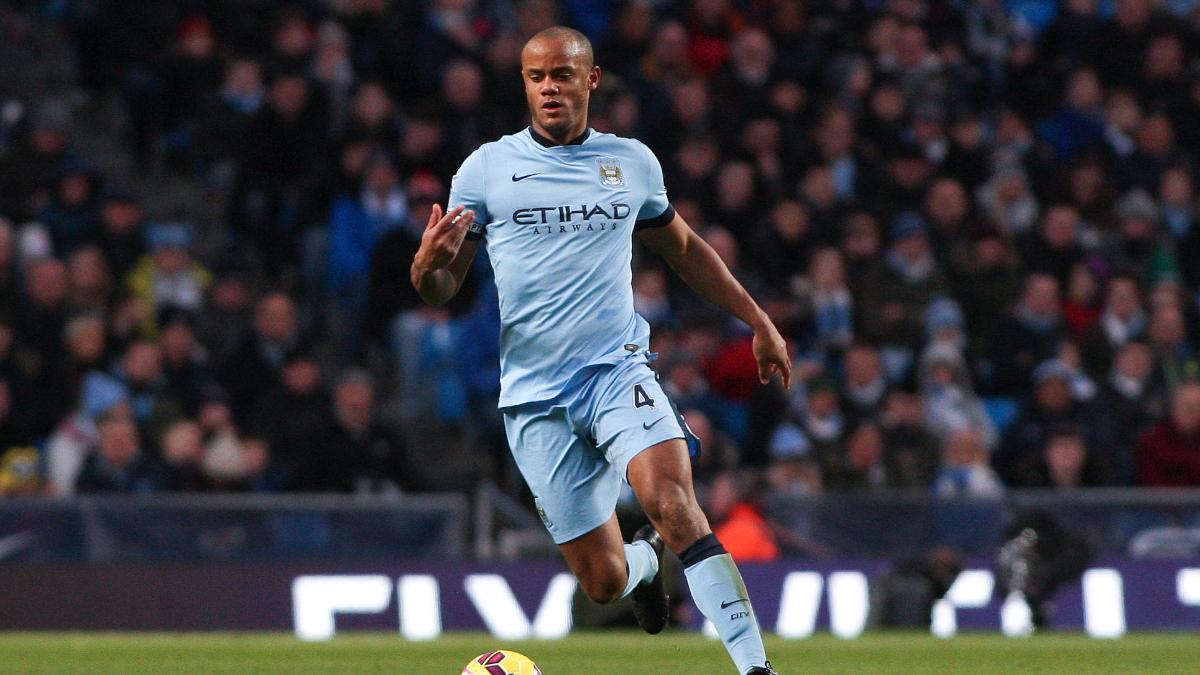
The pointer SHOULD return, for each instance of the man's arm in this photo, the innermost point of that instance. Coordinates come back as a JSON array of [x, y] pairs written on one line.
[[702, 269], [442, 261]]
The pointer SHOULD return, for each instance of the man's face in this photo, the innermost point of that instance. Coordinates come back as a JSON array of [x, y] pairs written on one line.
[[49, 283], [559, 80], [302, 376], [119, 440], [143, 362], [1041, 295], [1054, 395], [947, 203], [1059, 228], [1185, 409], [121, 217], [1135, 360], [1124, 299], [355, 402], [862, 367], [276, 317], [1167, 328]]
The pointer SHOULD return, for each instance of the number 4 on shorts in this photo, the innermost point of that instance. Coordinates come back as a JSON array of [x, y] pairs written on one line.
[[640, 397]]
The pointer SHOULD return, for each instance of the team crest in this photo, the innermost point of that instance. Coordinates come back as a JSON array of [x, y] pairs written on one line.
[[610, 172]]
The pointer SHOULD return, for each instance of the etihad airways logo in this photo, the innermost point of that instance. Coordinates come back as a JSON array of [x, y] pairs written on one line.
[[569, 218]]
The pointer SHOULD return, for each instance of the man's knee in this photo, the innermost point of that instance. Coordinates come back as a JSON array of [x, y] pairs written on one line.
[[669, 503]]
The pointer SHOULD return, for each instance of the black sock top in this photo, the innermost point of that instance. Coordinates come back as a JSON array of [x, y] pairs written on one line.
[[705, 547]]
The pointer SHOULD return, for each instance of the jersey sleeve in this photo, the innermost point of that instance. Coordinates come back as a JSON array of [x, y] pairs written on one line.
[[468, 188], [656, 211]]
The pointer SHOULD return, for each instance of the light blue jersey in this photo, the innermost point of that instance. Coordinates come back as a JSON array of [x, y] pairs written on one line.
[[558, 222]]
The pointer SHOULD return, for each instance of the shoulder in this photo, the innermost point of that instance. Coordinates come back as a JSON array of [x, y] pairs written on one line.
[[620, 145], [508, 143]]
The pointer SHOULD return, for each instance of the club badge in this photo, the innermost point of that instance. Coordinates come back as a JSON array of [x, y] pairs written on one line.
[[610, 172]]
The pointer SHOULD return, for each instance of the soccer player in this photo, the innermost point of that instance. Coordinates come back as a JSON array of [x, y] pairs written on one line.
[[559, 205]]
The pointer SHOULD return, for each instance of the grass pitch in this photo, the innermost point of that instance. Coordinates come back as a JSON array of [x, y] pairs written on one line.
[[590, 654]]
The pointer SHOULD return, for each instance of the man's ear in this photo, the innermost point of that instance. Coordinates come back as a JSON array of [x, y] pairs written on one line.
[[594, 79]]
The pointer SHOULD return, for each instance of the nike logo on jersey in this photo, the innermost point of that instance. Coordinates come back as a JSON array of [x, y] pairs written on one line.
[[733, 602], [517, 179], [647, 426]]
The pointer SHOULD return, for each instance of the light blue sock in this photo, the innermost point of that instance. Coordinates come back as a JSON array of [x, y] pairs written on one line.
[[718, 591], [642, 562]]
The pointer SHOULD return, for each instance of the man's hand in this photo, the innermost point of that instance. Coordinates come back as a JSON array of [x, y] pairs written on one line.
[[770, 351], [443, 259], [443, 237]]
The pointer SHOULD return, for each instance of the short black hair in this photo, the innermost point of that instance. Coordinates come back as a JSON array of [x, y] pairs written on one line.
[[570, 36]]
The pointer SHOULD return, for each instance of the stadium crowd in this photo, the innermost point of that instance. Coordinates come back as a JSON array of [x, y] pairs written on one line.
[[976, 222]]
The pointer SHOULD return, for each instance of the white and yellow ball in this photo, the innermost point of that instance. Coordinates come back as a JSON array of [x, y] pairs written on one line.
[[501, 662]]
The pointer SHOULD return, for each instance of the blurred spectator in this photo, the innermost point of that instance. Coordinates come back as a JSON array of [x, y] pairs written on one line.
[[68, 447], [1175, 357], [738, 521], [862, 461], [140, 369], [185, 370], [21, 471], [912, 452], [182, 449], [357, 223], [9, 272], [965, 471], [190, 72], [1068, 462], [1127, 404], [356, 452], [940, 200], [990, 284], [1122, 319], [224, 124], [650, 296], [1168, 454], [255, 365], [118, 464], [1031, 334], [120, 235], [168, 275], [92, 286], [87, 343], [864, 386], [1053, 405], [718, 452], [906, 283], [227, 315], [71, 212], [281, 163], [1082, 302], [951, 403], [816, 409], [794, 471], [947, 208], [28, 171], [831, 303], [1053, 248], [781, 251], [291, 416]]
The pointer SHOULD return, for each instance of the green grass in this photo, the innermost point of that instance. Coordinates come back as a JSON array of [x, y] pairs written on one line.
[[590, 654]]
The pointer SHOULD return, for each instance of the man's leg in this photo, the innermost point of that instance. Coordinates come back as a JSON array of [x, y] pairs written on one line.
[[661, 477], [575, 489], [607, 568]]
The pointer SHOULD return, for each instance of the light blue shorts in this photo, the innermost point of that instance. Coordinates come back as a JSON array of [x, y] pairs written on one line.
[[574, 450]]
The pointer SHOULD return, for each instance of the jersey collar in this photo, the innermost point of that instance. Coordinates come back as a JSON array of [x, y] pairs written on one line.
[[550, 143]]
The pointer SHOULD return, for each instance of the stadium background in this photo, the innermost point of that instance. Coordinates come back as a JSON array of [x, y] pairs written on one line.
[[974, 221]]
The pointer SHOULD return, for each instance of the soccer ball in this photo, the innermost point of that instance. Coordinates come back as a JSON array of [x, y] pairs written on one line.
[[501, 662]]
